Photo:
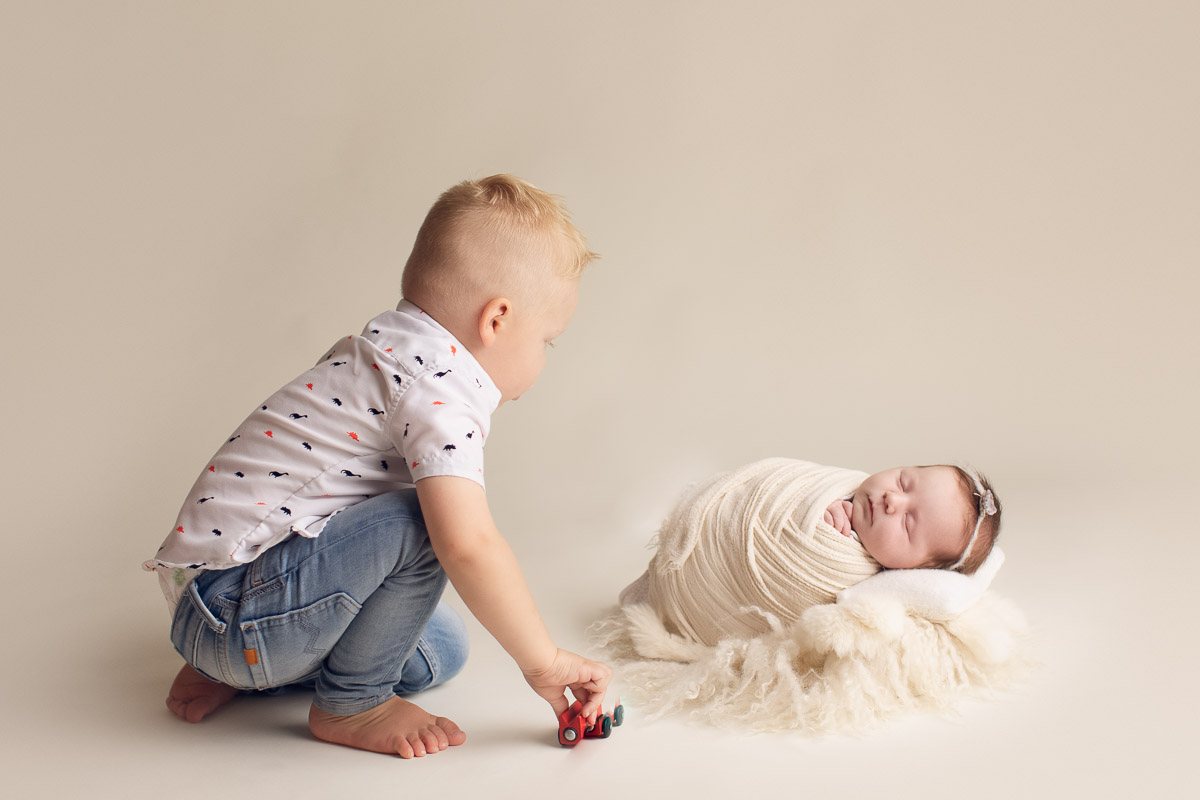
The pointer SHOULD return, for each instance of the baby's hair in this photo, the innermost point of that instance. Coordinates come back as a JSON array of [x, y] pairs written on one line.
[[499, 208], [989, 525]]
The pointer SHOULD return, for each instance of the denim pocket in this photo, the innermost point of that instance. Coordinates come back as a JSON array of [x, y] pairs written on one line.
[[284, 648], [197, 635]]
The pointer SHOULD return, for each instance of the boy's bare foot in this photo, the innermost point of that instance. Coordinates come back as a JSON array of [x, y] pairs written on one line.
[[193, 696], [396, 726]]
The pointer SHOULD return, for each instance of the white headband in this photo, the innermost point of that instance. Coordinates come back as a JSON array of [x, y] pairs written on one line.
[[987, 507]]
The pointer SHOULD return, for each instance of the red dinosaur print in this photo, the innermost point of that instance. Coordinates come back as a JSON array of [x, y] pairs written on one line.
[[352, 435], [376, 367], [212, 468], [438, 403], [453, 350], [416, 463], [180, 529], [269, 434], [309, 385]]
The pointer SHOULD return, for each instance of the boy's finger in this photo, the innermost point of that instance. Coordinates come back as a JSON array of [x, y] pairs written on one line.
[[559, 704]]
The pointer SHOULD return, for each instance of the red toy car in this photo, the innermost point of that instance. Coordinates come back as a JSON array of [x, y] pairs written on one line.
[[572, 727]]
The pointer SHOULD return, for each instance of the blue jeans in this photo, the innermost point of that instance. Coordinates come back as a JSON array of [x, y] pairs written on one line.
[[356, 611]]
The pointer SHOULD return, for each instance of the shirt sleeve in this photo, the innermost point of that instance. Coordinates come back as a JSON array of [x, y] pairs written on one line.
[[439, 426]]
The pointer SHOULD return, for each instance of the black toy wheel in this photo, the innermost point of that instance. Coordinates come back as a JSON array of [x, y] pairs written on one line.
[[570, 735]]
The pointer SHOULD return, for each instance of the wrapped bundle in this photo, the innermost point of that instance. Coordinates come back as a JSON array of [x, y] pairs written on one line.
[[748, 550]]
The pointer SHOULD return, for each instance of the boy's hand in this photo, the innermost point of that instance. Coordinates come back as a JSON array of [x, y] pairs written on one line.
[[838, 515], [588, 681]]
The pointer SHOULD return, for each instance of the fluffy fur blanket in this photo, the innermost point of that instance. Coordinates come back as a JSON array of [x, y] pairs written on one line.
[[843, 667]]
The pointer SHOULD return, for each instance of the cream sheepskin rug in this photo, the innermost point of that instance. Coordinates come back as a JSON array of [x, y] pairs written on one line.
[[842, 667]]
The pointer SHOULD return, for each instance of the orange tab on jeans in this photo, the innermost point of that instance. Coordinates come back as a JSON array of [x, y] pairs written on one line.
[[251, 657]]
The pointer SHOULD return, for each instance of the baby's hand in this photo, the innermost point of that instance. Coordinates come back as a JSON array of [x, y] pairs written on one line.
[[587, 680], [838, 515]]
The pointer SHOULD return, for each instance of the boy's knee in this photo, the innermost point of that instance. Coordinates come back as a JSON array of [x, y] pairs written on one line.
[[441, 652]]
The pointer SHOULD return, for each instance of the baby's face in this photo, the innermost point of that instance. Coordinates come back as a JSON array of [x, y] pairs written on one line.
[[911, 516]]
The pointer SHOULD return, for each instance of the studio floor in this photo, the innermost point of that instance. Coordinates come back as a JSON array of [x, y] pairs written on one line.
[[1108, 714]]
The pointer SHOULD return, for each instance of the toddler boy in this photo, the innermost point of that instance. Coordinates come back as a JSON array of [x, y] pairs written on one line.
[[304, 553]]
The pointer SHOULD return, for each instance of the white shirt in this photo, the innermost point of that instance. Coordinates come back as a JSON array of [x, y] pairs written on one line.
[[402, 401]]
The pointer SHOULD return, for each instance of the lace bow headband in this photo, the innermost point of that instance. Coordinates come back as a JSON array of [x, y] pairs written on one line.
[[987, 507]]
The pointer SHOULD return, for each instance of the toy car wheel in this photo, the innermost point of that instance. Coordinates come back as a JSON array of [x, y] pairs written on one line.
[[570, 735], [618, 715], [606, 726]]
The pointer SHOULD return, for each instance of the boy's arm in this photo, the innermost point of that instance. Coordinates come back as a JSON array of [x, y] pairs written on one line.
[[487, 576]]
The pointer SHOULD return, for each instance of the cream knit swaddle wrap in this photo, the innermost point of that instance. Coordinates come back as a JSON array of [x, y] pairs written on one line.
[[748, 550], [741, 619]]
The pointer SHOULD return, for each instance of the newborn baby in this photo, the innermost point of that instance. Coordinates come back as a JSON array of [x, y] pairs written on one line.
[[938, 517], [749, 550]]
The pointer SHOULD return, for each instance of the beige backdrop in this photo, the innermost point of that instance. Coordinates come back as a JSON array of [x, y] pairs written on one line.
[[862, 233]]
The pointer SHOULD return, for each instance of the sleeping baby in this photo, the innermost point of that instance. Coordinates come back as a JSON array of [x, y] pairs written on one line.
[[748, 551], [786, 595], [938, 517]]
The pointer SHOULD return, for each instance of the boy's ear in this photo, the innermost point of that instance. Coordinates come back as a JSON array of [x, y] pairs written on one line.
[[497, 313]]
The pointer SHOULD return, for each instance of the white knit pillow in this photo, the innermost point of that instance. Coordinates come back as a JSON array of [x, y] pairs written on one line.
[[935, 594]]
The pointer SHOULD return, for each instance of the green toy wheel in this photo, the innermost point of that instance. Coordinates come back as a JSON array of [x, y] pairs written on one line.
[[618, 715], [606, 726]]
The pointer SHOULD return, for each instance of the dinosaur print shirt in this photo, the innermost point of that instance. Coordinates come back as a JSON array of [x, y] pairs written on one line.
[[402, 401]]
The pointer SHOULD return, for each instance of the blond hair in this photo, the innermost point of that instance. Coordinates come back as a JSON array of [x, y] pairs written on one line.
[[474, 221]]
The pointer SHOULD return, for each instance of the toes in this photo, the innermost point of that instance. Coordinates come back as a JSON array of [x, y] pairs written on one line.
[[404, 749], [454, 734], [418, 747], [439, 735], [430, 740], [199, 709]]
